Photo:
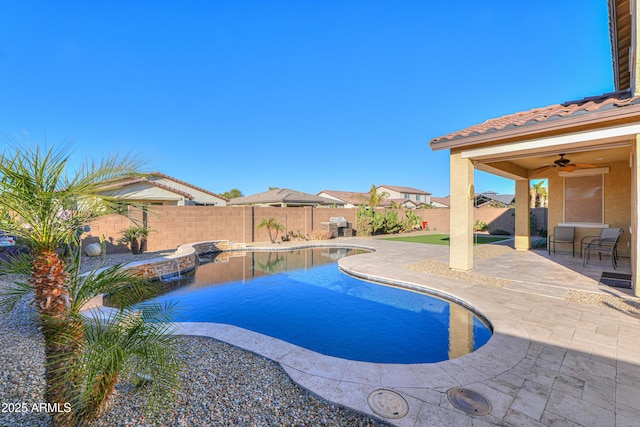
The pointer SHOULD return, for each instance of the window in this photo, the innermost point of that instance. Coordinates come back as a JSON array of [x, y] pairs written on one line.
[[583, 199], [407, 196]]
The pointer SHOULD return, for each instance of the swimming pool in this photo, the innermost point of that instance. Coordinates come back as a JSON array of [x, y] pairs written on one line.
[[302, 297]]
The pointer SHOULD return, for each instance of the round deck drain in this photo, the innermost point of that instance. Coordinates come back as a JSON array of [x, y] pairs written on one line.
[[387, 403], [469, 401]]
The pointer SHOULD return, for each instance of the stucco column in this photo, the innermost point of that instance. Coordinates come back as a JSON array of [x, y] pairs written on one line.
[[522, 214], [461, 213], [635, 219]]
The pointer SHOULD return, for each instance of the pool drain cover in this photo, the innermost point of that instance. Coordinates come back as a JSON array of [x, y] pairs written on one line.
[[387, 403], [469, 401]]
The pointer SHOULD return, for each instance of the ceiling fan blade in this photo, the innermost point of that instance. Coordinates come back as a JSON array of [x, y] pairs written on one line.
[[585, 165], [569, 168], [543, 168]]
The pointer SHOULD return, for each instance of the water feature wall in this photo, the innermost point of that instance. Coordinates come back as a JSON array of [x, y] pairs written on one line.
[[184, 260]]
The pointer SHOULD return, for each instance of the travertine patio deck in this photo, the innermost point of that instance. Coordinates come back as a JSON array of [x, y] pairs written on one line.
[[549, 362]]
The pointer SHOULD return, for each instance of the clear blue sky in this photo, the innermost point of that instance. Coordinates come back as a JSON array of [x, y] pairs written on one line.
[[308, 95]]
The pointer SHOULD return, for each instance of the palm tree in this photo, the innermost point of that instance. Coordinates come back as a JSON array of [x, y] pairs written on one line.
[[46, 208], [538, 194], [272, 226]]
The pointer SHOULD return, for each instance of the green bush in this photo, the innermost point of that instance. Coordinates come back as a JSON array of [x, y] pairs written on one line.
[[480, 226], [413, 222], [378, 223], [392, 224]]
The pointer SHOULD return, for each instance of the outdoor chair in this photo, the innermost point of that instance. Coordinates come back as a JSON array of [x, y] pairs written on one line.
[[606, 243], [562, 235]]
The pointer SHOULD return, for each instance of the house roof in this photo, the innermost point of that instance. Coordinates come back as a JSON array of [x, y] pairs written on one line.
[[283, 195], [160, 174], [352, 197], [507, 199], [404, 189], [133, 181], [442, 200], [594, 109], [150, 179]]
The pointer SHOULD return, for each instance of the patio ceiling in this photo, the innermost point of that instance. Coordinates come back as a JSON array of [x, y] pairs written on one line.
[[524, 165]]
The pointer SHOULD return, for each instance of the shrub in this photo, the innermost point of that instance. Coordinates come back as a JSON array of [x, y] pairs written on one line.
[[378, 223], [542, 232], [480, 225], [363, 226], [391, 222], [413, 222], [320, 235], [499, 232]]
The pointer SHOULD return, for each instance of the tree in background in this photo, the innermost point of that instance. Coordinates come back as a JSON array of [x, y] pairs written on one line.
[[375, 199], [232, 194], [538, 194]]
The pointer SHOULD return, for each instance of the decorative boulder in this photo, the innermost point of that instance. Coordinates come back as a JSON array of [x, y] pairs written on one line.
[[93, 249]]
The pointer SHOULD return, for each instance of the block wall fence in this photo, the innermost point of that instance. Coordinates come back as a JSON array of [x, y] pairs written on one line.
[[173, 226]]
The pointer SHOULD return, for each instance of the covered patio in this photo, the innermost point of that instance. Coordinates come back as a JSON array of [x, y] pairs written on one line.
[[587, 149]]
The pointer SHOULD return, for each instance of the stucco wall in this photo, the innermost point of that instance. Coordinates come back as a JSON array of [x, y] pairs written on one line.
[[617, 204], [176, 225]]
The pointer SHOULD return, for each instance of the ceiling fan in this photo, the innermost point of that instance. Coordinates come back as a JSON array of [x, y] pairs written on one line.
[[565, 165]]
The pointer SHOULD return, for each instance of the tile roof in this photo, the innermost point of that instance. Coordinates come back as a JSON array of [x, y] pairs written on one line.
[[353, 197], [585, 106], [404, 189], [442, 200], [164, 175], [133, 181], [283, 195]]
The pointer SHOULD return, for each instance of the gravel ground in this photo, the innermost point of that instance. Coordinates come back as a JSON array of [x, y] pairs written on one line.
[[441, 268], [628, 305], [221, 385]]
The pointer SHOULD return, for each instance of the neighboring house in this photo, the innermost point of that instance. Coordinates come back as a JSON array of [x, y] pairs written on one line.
[[405, 203], [351, 199], [284, 197], [588, 150], [491, 198], [419, 197], [159, 189], [488, 198], [440, 202]]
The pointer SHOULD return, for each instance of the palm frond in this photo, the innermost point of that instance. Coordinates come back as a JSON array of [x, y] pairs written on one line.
[[121, 285], [11, 294], [44, 205], [127, 343], [16, 263]]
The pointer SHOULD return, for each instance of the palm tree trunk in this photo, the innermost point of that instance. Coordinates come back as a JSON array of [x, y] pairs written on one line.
[[63, 337]]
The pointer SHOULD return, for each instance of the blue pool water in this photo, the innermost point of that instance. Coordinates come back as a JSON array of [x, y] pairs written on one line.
[[325, 310]]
